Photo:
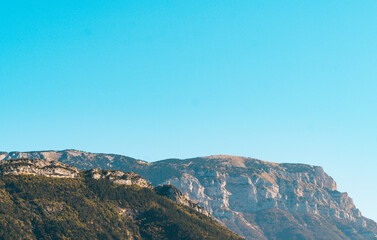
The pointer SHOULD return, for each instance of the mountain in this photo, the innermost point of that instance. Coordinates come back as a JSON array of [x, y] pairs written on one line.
[[253, 198], [46, 199]]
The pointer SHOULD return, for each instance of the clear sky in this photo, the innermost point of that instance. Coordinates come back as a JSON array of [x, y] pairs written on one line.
[[282, 81]]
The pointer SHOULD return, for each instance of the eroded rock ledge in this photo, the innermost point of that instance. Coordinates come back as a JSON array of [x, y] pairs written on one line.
[[43, 167], [118, 177]]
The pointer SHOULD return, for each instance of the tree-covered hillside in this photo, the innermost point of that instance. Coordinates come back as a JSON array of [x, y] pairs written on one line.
[[39, 207]]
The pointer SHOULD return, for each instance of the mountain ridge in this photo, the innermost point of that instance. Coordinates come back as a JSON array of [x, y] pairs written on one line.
[[246, 193]]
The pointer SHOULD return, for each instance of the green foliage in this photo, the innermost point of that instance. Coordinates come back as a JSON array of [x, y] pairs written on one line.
[[37, 207]]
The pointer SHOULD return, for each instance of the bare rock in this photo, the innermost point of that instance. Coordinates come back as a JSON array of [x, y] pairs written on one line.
[[49, 168], [176, 195], [119, 177]]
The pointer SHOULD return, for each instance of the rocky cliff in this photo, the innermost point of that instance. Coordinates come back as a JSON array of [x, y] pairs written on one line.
[[3, 155], [118, 177], [176, 195], [241, 191], [44, 167], [254, 198]]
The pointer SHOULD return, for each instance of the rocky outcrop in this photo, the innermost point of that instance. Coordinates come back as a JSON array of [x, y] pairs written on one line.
[[3, 155], [53, 168], [254, 198], [176, 195], [119, 177], [43, 167]]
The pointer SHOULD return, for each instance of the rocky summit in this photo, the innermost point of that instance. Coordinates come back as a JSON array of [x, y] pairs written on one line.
[[254, 198]]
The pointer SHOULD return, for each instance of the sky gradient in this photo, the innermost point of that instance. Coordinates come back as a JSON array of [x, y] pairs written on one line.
[[282, 81]]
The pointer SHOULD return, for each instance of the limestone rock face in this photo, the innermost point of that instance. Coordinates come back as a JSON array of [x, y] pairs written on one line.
[[3, 155], [234, 190], [43, 167], [176, 195], [119, 177]]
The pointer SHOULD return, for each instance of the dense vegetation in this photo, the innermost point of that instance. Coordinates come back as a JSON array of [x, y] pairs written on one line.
[[37, 207]]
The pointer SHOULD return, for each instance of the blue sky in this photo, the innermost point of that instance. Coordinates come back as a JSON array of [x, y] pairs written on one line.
[[283, 81]]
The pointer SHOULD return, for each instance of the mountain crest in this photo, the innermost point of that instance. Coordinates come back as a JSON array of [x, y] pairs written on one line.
[[254, 198]]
